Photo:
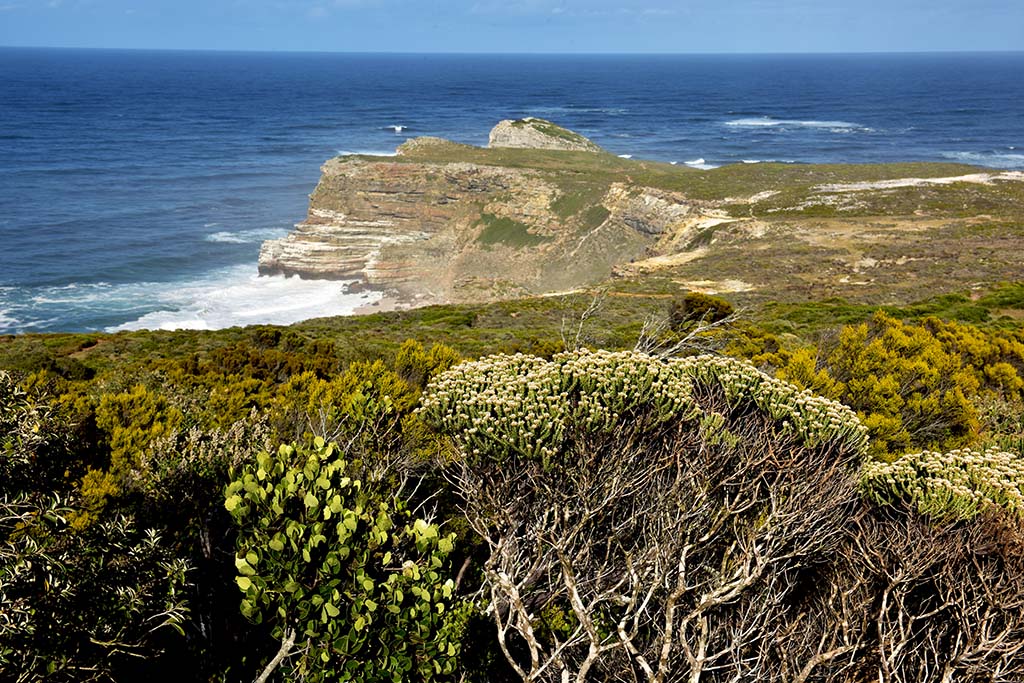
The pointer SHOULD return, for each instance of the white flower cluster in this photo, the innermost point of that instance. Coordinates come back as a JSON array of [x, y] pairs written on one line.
[[814, 419], [520, 404], [500, 405], [958, 484], [608, 385]]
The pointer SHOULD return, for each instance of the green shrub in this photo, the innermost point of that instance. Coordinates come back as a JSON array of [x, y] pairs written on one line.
[[350, 574], [637, 510], [910, 387], [524, 405], [698, 308], [85, 605]]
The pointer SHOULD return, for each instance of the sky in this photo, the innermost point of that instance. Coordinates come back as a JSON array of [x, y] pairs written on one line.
[[532, 26]]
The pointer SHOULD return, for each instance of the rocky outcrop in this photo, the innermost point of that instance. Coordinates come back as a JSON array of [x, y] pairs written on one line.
[[430, 225], [533, 133]]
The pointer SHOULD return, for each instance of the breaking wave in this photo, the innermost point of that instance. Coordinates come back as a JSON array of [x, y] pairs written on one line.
[[700, 163], [246, 236], [224, 298], [785, 124], [993, 159]]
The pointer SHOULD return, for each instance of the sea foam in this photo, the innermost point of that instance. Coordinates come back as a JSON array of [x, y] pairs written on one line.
[[367, 153], [246, 236], [226, 297], [700, 164], [992, 159], [237, 296], [768, 122]]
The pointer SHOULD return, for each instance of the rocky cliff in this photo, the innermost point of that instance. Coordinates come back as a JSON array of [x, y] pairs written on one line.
[[442, 222], [445, 222]]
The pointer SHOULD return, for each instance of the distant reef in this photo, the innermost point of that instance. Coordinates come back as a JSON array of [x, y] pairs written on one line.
[[543, 209]]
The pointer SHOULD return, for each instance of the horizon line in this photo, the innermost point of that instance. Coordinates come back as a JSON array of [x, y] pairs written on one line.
[[510, 53]]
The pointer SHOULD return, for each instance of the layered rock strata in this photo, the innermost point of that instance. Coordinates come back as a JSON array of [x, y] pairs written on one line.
[[442, 222]]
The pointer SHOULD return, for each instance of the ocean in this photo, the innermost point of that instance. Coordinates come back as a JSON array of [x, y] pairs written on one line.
[[137, 186]]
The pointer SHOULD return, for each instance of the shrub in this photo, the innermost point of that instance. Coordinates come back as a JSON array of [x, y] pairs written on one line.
[[957, 485], [909, 389], [638, 512], [695, 307], [347, 574], [77, 605]]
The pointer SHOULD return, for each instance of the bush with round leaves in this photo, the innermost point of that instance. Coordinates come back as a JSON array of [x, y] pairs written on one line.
[[348, 574]]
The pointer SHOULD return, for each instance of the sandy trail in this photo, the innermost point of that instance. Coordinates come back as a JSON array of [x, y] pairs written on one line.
[[978, 178]]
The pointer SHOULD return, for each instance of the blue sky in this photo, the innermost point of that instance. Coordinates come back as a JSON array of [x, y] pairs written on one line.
[[519, 25]]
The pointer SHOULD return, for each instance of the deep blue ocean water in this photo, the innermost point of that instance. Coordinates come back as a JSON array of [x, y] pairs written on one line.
[[136, 187]]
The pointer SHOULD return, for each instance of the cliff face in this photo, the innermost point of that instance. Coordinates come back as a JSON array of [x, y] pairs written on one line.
[[444, 222], [431, 230]]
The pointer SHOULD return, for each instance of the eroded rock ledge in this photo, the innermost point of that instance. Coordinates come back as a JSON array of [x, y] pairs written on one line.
[[443, 222]]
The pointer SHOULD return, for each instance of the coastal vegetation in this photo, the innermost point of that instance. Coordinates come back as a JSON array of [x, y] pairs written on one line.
[[523, 490]]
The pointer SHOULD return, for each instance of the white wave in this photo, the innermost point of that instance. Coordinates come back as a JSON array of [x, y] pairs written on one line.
[[626, 156], [991, 159], [768, 122], [768, 161], [223, 298], [246, 236], [398, 129], [612, 111], [701, 164], [7, 320], [237, 296]]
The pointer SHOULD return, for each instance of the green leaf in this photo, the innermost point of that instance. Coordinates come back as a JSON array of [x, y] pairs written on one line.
[[243, 567], [243, 582], [232, 502], [310, 500], [331, 609]]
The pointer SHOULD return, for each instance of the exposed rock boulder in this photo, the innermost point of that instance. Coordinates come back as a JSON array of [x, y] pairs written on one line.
[[533, 133]]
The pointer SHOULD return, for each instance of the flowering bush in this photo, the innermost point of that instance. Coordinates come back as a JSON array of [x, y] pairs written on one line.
[[955, 485], [632, 507], [521, 404]]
